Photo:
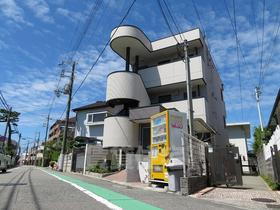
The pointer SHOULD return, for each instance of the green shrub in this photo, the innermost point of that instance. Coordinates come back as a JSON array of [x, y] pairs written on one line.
[[273, 185], [98, 169]]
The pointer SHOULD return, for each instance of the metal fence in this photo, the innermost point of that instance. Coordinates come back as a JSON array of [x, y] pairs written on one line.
[[195, 156]]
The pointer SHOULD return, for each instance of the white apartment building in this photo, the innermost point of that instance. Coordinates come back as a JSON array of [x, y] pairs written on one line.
[[239, 133], [155, 80]]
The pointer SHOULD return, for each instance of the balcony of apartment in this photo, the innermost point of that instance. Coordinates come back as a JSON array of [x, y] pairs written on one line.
[[125, 87], [200, 107], [120, 131], [174, 72], [132, 44]]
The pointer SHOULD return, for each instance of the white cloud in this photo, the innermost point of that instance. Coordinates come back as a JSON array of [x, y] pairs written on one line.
[[41, 10], [72, 16], [11, 10]]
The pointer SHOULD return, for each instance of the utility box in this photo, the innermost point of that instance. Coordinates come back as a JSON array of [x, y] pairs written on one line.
[[175, 171]]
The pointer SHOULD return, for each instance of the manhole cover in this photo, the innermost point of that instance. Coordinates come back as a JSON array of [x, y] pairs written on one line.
[[273, 206], [265, 200]]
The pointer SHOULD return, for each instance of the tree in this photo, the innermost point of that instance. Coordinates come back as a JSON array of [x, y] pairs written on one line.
[[11, 118], [260, 138]]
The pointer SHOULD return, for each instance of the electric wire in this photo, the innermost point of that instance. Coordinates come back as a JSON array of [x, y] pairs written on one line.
[[255, 26], [274, 44], [95, 7], [238, 59], [101, 53], [174, 21], [3, 101], [204, 33], [262, 42], [166, 21], [238, 42]]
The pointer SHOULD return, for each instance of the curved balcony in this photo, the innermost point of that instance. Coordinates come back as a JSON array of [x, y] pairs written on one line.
[[130, 36], [119, 131], [126, 88]]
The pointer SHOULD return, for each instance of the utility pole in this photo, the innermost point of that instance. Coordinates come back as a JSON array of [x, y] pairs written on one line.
[[26, 151], [7, 125], [69, 92], [36, 151], [258, 93], [189, 101], [46, 137], [18, 144]]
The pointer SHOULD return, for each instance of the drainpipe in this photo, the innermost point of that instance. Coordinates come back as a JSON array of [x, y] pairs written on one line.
[[127, 59]]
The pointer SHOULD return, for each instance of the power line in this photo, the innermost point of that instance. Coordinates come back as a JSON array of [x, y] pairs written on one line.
[[255, 25], [77, 45], [100, 54], [238, 59], [274, 44], [204, 33], [104, 48], [261, 62], [3, 101], [166, 21], [174, 21]]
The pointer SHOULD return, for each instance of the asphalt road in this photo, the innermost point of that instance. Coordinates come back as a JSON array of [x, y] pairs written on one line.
[[31, 188]]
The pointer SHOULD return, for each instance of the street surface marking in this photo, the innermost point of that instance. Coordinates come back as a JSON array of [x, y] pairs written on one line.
[[111, 199], [96, 197]]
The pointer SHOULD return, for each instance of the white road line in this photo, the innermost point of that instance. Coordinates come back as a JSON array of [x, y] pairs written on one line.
[[96, 197]]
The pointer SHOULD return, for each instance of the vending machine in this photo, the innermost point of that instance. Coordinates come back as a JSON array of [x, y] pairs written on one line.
[[166, 133]]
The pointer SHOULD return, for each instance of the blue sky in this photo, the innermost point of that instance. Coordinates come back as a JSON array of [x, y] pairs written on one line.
[[36, 35]]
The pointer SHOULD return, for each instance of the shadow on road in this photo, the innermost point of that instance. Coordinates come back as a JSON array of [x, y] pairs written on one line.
[[2, 190], [34, 196], [12, 184], [12, 192]]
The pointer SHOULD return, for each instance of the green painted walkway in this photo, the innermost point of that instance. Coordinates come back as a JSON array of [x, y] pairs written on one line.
[[118, 199]]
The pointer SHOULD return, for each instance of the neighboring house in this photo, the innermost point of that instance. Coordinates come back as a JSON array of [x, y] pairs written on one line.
[[239, 133], [274, 118], [56, 130], [90, 119], [155, 80], [269, 156], [89, 128]]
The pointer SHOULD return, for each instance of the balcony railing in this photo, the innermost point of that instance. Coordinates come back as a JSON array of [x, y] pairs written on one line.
[[171, 73], [200, 107]]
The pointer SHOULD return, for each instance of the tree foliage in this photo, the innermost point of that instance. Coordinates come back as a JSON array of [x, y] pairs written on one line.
[[260, 138], [14, 116]]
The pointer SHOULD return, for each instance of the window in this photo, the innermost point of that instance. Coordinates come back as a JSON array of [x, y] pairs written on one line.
[[164, 98], [96, 117]]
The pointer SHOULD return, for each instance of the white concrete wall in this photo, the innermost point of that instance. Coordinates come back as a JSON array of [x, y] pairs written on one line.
[[170, 41], [237, 137], [119, 131], [199, 107], [172, 72], [274, 140], [127, 85]]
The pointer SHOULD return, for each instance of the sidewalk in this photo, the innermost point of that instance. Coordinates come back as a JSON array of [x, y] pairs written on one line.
[[126, 195], [243, 196]]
